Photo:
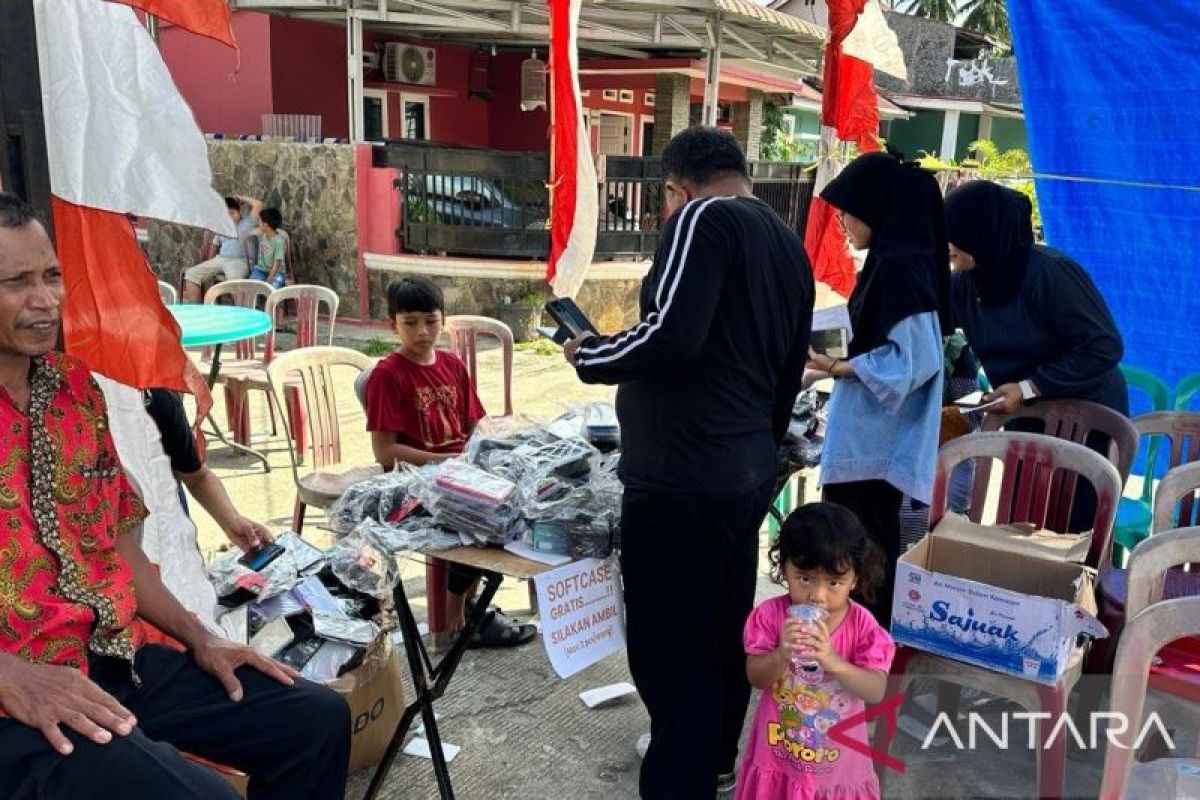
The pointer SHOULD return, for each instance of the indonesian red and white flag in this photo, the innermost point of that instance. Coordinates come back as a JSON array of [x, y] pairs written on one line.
[[120, 140], [574, 199], [211, 19], [859, 42]]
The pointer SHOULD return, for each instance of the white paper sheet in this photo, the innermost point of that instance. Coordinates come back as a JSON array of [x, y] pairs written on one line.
[[606, 694], [420, 748], [519, 548]]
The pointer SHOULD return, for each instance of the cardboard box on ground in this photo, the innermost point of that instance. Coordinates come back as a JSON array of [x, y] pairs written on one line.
[[1007, 598], [374, 691], [321, 613]]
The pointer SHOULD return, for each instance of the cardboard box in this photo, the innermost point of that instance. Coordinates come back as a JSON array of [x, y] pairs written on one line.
[[1003, 599], [1022, 538], [375, 693]]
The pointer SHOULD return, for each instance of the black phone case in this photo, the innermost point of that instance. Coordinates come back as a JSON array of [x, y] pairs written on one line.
[[273, 551], [568, 315]]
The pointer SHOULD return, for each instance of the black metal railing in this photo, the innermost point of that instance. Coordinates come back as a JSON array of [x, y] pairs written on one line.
[[471, 202]]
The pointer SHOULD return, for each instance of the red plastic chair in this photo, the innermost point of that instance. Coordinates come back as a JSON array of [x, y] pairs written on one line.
[[245, 377], [464, 331], [1072, 421], [1036, 468]]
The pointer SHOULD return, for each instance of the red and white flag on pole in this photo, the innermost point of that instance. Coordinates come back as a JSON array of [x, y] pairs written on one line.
[[574, 198], [859, 43], [121, 140]]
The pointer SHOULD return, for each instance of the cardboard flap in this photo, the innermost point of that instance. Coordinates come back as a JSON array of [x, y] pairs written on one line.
[[1019, 538], [1002, 568], [1083, 613]]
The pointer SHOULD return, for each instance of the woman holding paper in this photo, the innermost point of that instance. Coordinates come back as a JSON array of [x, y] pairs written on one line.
[[885, 412], [1033, 316]]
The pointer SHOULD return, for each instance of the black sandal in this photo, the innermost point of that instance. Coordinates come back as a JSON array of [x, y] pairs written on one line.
[[498, 631]]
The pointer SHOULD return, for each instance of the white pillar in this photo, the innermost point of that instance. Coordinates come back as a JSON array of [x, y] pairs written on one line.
[[949, 135], [985, 125], [712, 77], [354, 75]]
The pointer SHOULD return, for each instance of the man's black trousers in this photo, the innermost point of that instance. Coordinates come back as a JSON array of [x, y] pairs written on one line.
[[689, 565]]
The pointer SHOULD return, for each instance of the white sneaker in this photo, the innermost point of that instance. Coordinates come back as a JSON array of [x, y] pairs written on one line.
[[643, 744], [726, 783]]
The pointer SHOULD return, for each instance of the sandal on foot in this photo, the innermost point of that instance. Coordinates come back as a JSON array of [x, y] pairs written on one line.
[[498, 631]]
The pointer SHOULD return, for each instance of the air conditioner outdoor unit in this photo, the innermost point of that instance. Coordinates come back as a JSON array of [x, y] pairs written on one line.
[[406, 63]]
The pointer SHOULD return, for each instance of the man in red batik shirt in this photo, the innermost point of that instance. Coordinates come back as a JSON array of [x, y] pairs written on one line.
[[87, 709]]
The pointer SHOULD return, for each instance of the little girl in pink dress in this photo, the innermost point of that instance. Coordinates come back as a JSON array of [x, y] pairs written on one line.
[[823, 553]]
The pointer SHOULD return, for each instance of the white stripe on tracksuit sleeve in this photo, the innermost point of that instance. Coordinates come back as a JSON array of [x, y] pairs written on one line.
[[692, 256]]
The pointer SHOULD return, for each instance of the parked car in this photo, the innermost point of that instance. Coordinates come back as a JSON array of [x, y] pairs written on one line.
[[470, 201]]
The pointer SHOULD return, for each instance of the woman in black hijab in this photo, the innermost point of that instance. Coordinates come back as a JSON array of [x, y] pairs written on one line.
[[882, 436], [1034, 318]]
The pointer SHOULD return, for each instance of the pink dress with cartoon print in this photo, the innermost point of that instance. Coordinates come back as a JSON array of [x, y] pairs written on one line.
[[789, 755]]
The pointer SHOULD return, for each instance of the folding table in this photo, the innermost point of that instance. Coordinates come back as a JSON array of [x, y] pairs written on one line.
[[430, 680]]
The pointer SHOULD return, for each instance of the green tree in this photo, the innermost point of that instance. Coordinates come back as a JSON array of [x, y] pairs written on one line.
[[989, 17], [943, 10]]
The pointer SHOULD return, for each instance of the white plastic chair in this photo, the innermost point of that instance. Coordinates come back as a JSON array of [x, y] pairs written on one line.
[[1145, 634], [168, 294], [310, 370]]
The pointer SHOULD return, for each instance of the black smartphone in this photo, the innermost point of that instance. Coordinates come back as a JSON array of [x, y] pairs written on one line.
[[569, 316], [257, 559]]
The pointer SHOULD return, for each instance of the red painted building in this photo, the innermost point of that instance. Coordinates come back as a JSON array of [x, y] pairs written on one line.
[[293, 66]]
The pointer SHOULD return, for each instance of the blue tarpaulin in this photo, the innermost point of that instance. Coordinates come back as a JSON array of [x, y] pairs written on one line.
[[1112, 105]]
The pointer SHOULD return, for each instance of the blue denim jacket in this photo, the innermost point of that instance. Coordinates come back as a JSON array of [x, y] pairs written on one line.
[[883, 424]]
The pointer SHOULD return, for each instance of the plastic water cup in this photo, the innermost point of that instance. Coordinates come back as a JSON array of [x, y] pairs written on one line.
[[810, 615]]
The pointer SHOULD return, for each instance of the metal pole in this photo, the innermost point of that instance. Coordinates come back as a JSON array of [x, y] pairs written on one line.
[[152, 26], [354, 75], [712, 78], [23, 167]]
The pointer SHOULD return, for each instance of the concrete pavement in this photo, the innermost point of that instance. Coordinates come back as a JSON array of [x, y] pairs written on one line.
[[523, 731]]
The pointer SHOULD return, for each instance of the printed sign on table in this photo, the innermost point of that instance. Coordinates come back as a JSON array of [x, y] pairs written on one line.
[[583, 613]]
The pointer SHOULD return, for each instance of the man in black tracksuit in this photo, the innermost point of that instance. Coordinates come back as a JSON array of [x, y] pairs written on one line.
[[707, 381]]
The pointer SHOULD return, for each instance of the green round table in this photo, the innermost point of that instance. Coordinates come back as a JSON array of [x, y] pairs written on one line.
[[212, 326], [204, 325]]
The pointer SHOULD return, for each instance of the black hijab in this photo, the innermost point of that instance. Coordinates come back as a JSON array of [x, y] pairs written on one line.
[[994, 225], [907, 270]]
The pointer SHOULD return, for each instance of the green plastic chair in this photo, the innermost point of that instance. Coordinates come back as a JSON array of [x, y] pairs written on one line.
[[1187, 389], [1152, 386], [1132, 524]]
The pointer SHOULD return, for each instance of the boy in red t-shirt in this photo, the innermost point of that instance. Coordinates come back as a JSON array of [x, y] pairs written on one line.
[[422, 409]]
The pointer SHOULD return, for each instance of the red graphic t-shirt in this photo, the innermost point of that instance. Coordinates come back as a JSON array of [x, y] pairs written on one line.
[[431, 408], [64, 590]]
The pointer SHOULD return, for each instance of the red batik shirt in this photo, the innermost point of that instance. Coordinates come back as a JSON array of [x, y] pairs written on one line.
[[64, 590]]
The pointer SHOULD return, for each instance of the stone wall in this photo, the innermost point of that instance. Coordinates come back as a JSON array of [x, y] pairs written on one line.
[[313, 185], [748, 123], [672, 107], [928, 45], [611, 304]]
